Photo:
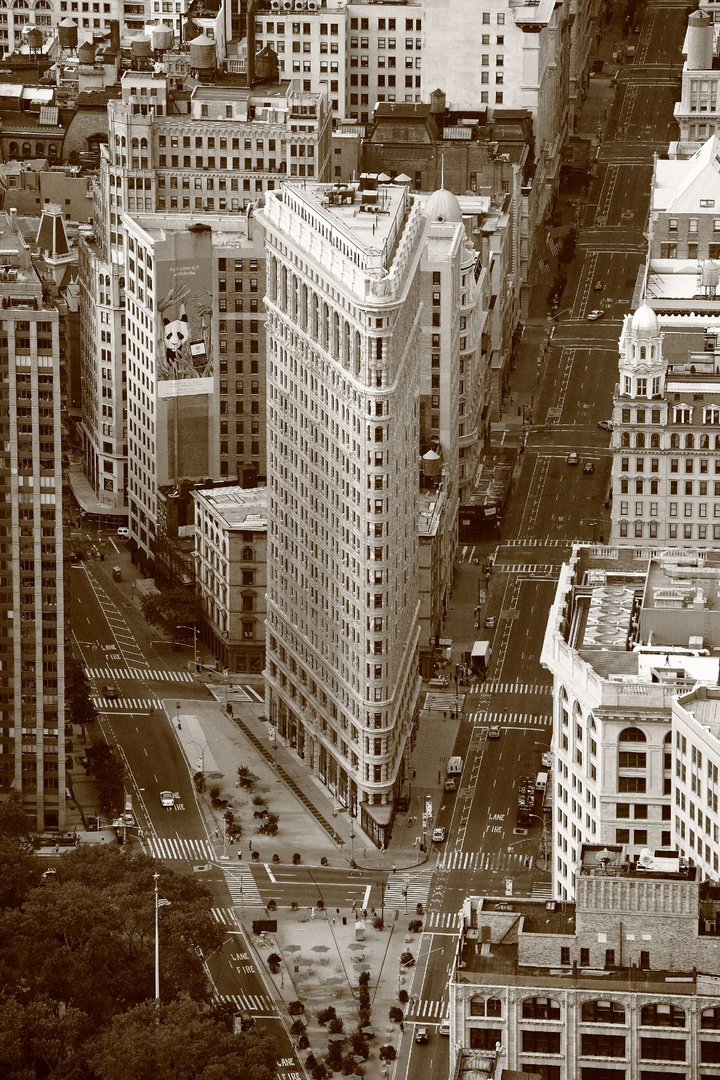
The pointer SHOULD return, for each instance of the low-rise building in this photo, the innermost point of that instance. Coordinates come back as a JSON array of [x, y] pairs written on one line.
[[231, 573], [620, 985]]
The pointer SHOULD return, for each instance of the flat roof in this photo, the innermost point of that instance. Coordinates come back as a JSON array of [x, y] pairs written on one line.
[[240, 508]]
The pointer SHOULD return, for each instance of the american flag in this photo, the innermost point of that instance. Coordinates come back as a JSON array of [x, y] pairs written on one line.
[[552, 244], [544, 266]]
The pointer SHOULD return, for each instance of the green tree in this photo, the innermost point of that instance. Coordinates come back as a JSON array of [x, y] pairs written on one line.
[[108, 773], [78, 703], [179, 1042], [37, 1038], [171, 609], [15, 824], [19, 874]]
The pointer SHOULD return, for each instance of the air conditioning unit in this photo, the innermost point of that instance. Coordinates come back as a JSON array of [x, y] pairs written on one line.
[[312, 5], [275, 5], [300, 5], [288, 5]]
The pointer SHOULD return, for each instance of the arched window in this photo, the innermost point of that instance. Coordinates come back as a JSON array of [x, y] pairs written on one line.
[[643, 352], [625, 438], [540, 1008], [640, 440], [655, 441], [668, 738], [674, 441], [247, 554], [710, 1019], [689, 442], [39, 149], [26, 149], [717, 442], [134, 144], [13, 149], [631, 734], [704, 442], [477, 1006], [660, 1014], [603, 1012]]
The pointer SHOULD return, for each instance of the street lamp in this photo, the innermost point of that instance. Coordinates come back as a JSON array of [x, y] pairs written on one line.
[[194, 630]]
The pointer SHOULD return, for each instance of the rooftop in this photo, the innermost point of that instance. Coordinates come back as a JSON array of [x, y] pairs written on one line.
[[240, 508]]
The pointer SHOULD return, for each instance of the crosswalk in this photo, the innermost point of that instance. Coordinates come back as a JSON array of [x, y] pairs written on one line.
[[235, 692], [443, 701], [161, 847], [510, 719], [497, 687], [257, 1004], [442, 920], [480, 860], [224, 915], [424, 1009], [126, 704], [542, 890], [417, 885], [534, 569], [241, 885], [145, 674], [528, 542]]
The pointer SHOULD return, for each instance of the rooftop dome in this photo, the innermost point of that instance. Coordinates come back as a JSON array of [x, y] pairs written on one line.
[[644, 322], [443, 206]]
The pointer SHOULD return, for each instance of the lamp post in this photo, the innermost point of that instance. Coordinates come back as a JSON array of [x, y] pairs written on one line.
[[194, 630], [352, 839]]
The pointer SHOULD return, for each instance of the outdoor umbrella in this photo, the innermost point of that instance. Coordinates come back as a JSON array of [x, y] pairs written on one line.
[[292, 948], [369, 1031], [321, 948], [333, 980], [337, 1037], [356, 946]]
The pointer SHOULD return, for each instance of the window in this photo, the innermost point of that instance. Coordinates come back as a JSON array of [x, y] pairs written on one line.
[[631, 760], [603, 1012], [710, 1021], [596, 1044], [662, 1049], [662, 1015], [540, 1008], [485, 1038], [631, 734], [541, 1042]]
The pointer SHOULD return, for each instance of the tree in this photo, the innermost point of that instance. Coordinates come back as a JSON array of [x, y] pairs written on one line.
[[179, 1042], [15, 824], [78, 702], [171, 609], [108, 773], [270, 825], [37, 1038], [388, 1053], [19, 874], [566, 253], [246, 778]]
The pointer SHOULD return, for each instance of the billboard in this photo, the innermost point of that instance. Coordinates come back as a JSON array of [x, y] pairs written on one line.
[[184, 281]]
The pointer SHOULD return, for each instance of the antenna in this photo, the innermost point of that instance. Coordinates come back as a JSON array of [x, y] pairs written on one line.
[[442, 170]]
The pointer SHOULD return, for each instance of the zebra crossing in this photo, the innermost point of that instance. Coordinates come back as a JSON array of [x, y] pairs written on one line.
[[480, 860], [242, 886], [444, 701], [417, 885], [510, 719], [258, 1004], [534, 569], [225, 916], [442, 920], [161, 847], [126, 704], [423, 1009], [145, 674], [531, 542], [497, 687], [542, 890]]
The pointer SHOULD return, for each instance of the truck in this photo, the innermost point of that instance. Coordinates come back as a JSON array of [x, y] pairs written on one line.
[[454, 771], [541, 784], [480, 658]]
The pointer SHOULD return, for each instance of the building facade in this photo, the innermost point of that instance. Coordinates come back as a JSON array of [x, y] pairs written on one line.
[[343, 436], [621, 985], [32, 620], [231, 573]]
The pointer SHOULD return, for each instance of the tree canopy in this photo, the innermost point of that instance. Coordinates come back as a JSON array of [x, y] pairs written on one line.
[[170, 608], [77, 974]]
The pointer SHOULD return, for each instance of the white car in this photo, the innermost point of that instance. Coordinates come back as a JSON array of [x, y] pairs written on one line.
[[547, 760], [123, 532], [167, 798], [598, 313], [572, 459], [444, 1028], [438, 835]]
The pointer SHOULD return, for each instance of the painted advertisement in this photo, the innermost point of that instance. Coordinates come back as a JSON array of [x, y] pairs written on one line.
[[184, 271]]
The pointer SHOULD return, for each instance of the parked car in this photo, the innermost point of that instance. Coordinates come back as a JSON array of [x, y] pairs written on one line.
[[606, 425], [588, 467], [444, 1028], [450, 784], [110, 691], [421, 1035], [167, 798], [572, 459], [438, 835], [598, 313], [490, 622]]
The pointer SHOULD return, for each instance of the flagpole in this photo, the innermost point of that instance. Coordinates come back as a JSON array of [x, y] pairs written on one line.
[[157, 947]]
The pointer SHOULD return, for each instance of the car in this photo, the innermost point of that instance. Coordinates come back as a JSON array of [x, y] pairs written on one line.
[[588, 467], [450, 784], [167, 798], [77, 557], [598, 313], [605, 425], [547, 760], [110, 691], [421, 1035], [123, 532], [494, 733], [572, 459], [444, 1028], [490, 622], [438, 835], [599, 286], [630, 52]]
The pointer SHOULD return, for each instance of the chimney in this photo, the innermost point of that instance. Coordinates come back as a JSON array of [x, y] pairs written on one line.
[[115, 35], [250, 42], [12, 214]]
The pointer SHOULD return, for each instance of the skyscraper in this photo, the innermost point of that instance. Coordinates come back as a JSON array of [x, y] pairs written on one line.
[[343, 322]]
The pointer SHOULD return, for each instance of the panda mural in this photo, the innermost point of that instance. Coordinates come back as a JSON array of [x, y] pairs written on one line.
[[185, 309]]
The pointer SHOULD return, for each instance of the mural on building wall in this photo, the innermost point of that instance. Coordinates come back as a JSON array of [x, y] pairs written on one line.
[[184, 276]]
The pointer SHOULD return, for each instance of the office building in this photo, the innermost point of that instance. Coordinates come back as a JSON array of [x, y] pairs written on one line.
[[666, 439], [347, 270], [231, 573], [624, 639], [697, 111], [32, 616], [620, 985]]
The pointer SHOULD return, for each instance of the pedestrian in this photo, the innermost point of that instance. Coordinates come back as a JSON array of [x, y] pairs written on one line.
[[334, 920], [364, 853], [393, 868], [239, 853], [312, 912], [402, 1025], [231, 841], [414, 773], [250, 845], [439, 776], [179, 726]]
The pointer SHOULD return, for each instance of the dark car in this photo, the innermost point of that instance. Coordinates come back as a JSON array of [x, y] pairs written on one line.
[[110, 691], [588, 467], [490, 622]]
